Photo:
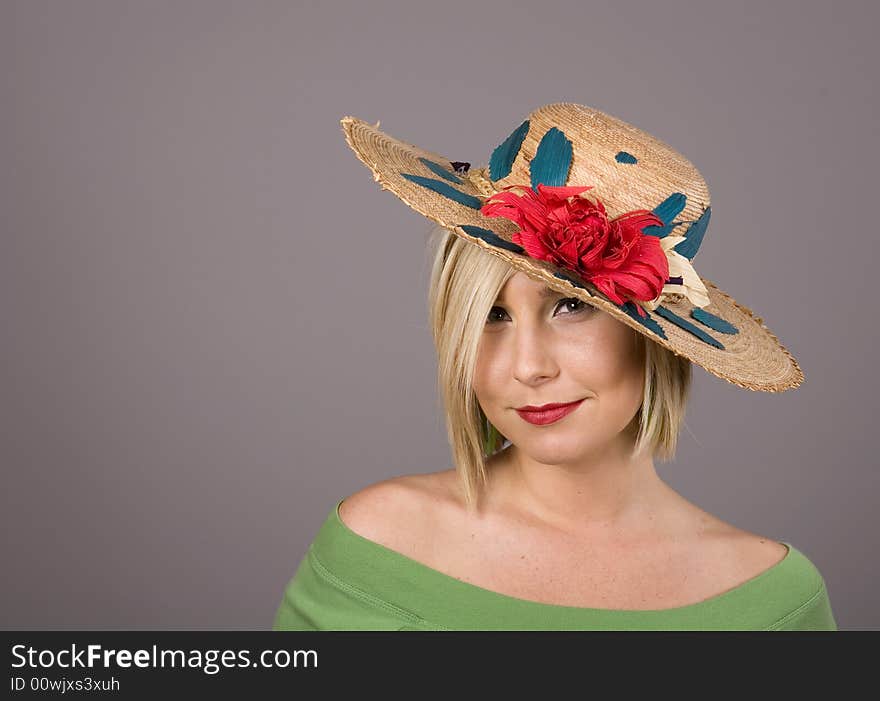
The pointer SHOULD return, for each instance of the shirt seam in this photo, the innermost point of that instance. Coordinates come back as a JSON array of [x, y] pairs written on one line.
[[799, 610], [325, 573]]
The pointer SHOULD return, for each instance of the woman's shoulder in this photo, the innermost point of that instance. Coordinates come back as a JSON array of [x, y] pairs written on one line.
[[341, 583], [399, 512], [744, 553], [750, 556]]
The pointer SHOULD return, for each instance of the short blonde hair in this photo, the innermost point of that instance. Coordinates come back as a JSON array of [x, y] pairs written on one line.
[[464, 285]]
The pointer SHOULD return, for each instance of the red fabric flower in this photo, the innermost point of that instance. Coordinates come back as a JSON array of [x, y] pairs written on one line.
[[560, 225]]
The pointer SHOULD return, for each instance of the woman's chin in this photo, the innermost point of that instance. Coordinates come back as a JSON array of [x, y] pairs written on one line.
[[554, 450]]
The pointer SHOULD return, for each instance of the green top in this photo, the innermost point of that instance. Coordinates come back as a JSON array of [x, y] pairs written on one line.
[[348, 582]]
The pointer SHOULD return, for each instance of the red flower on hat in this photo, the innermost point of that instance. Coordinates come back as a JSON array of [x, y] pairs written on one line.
[[560, 225]]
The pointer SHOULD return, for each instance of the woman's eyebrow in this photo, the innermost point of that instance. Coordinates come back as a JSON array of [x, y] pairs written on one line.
[[546, 293]]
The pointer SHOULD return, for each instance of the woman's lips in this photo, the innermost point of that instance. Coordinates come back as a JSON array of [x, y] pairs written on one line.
[[541, 418]]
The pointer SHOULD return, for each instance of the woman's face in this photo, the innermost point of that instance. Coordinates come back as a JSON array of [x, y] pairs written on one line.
[[540, 347]]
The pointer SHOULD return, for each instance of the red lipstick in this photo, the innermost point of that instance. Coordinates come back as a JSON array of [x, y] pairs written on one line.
[[547, 413]]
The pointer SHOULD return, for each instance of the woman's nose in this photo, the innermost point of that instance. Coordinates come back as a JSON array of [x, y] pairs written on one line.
[[534, 358]]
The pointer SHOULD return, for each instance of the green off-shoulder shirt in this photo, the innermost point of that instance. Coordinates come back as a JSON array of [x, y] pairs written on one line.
[[348, 582]]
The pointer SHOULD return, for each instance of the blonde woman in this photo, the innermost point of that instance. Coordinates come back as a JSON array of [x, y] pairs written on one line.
[[564, 365]]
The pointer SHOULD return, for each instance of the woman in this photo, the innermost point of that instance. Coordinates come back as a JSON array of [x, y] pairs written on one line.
[[564, 322]]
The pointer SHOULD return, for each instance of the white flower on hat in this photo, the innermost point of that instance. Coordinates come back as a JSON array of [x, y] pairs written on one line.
[[691, 286]]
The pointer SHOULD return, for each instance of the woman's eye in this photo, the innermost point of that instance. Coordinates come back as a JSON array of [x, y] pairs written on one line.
[[492, 312], [580, 306], [579, 302]]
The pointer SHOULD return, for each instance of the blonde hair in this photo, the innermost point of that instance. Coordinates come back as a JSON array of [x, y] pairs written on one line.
[[465, 282]]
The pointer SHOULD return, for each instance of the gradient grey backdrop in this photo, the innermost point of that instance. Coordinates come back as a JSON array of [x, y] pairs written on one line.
[[214, 320]]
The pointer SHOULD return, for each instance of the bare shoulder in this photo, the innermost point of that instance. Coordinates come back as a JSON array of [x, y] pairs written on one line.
[[398, 512], [741, 553], [757, 553], [728, 552]]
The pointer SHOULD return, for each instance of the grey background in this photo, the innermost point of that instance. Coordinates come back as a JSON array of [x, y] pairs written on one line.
[[214, 321]]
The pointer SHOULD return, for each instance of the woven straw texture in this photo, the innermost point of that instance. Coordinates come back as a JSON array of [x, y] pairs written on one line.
[[753, 358]]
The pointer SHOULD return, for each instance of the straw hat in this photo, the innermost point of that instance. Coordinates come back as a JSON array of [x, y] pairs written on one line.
[[599, 210]]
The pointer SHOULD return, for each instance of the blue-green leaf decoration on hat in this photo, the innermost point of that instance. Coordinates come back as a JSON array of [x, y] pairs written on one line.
[[552, 160], [440, 170], [667, 211], [713, 322], [491, 237], [445, 189], [624, 157], [646, 321], [694, 236], [501, 161], [687, 326]]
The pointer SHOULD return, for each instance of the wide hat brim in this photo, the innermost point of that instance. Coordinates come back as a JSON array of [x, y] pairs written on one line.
[[738, 347]]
